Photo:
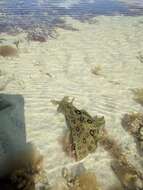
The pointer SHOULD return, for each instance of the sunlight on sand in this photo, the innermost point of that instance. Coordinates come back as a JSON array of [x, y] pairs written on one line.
[[62, 66]]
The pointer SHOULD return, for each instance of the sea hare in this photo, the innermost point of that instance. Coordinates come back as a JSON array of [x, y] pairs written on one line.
[[84, 130]]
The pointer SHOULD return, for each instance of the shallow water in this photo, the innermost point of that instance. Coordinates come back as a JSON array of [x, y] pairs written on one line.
[[88, 35], [28, 14]]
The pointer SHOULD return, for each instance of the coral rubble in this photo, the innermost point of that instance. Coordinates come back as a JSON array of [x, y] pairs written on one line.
[[111, 145], [133, 123], [130, 178], [82, 179]]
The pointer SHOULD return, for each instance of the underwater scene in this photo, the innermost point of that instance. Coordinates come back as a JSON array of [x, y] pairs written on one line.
[[71, 94]]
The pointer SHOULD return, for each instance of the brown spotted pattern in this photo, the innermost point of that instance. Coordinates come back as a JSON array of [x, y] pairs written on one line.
[[84, 128]]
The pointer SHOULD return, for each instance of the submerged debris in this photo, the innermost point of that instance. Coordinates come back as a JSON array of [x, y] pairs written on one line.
[[130, 178], [17, 42], [81, 180], [140, 57], [8, 51], [138, 95], [48, 74], [84, 129], [86, 181], [116, 187], [4, 41], [114, 82], [40, 34], [61, 23], [133, 123], [88, 19], [96, 70], [23, 168], [68, 27], [5, 79], [111, 146], [4, 104], [24, 176], [3, 84], [36, 37], [66, 143]]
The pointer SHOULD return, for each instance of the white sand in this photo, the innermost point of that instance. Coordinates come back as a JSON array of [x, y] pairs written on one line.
[[113, 43]]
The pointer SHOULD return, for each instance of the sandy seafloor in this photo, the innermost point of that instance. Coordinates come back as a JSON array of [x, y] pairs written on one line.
[[112, 42]]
